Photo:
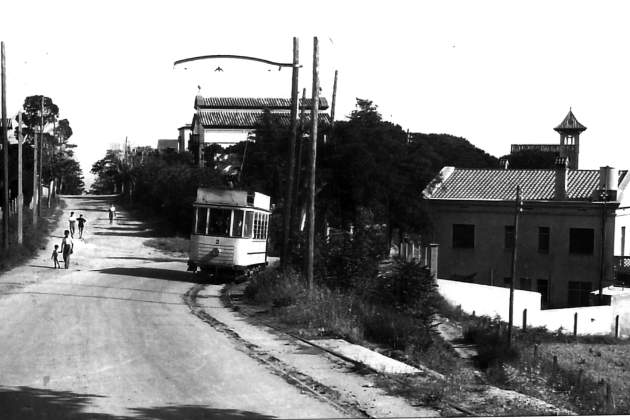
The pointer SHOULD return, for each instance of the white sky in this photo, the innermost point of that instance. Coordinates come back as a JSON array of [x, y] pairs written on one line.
[[494, 72]]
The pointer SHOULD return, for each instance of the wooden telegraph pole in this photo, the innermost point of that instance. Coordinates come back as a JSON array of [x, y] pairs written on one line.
[[34, 199], [20, 197], [288, 204], [518, 209], [334, 99], [5, 146], [313, 163], [41, 159]]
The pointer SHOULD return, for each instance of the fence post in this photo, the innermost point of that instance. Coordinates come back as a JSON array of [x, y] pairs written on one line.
[[617, 326], [575, 319], [610, 402], [580, 378], [525, 319]]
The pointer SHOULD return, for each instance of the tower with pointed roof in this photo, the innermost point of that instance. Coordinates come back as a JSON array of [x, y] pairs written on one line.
[[570, 129]]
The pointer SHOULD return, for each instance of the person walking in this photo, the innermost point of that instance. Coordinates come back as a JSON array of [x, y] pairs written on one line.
[[72, 221], [112, 213], [66, 248], [81, 223], [55, 254]]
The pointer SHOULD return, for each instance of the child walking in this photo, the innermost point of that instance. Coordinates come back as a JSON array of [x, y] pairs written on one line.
[[54, 257]]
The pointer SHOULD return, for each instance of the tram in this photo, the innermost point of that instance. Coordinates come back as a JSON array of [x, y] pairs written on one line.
[[230, 229]]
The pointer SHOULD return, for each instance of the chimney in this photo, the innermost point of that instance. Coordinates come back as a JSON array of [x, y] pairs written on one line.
[[504, 163], [561, 166], [608, 179]]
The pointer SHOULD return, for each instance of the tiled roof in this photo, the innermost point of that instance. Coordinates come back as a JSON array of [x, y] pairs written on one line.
[[253, 103], [500, 184], [570, 123], [227, 119]]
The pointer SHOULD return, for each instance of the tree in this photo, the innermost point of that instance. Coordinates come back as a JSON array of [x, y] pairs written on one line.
[[531, 159], [31, 118]]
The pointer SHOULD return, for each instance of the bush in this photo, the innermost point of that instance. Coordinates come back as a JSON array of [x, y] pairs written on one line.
[[275, 287]]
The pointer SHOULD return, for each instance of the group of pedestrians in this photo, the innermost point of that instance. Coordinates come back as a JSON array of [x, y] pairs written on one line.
[[67, 243]]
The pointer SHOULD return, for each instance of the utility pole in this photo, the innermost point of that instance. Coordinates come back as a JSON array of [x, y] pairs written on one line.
[[288, 204], [298, 167], [20, 197], [5, 146], [41, 159], [518, 209], [34, 199], [334, 99], [313, 163]]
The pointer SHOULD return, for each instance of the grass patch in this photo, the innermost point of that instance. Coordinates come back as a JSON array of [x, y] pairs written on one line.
[[34, 239], [570, 372], [176, 245]]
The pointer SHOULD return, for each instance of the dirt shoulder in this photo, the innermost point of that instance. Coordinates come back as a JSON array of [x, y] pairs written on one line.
[[463, 392]]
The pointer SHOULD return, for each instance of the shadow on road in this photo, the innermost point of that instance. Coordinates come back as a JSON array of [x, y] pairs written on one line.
[[75, 295], [148, 259], [152, 273], [38, 404]]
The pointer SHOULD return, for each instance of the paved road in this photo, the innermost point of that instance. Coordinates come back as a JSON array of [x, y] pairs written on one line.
[[112, 338]]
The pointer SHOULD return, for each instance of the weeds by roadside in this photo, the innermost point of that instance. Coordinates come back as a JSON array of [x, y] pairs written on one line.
[[33, 238]]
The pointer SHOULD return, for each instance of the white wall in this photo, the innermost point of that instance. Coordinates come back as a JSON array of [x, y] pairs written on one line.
[[590, 319], [491, 301], [225, 137]]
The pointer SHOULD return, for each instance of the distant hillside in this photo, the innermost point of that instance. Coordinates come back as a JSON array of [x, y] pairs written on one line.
[[447, 150]]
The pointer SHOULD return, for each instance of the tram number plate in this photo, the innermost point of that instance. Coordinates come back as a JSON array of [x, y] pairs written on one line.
[[217, 242]]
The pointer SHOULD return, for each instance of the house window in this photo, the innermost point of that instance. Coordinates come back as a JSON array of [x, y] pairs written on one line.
[[579, 293], [507, 281], [543, 239], [508, 236], [581, 241], [526, 283], [463, 236], [542, 287]]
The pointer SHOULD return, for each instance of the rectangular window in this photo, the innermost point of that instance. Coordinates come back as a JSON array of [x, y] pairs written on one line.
[[526, 283], [507, 281], [579, 293], [249, 224], [543, 239], [581, 241], [202, 218], [261, 224], [542, 287], [219, 224], [237, 223], [463, 236], [508, 236]]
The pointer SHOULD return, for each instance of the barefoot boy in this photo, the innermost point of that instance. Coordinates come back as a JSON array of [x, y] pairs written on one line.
[[54, 257]]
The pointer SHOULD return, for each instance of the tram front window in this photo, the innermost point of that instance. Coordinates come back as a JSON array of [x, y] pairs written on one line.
[[219, 222], [237, 224], [201, 221]]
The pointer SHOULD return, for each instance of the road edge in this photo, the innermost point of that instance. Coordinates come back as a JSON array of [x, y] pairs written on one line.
[[301, 381]]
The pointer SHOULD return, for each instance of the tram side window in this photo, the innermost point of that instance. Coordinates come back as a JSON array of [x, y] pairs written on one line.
[[249, 222], [260, 225], [201, 221], [219, 224], [237, 223]]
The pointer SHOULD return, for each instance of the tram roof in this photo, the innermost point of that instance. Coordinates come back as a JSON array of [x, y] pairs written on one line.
[[233, 198]]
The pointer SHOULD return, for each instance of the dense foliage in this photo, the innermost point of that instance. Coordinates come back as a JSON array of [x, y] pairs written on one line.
[[531, 159], [58, 161]]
